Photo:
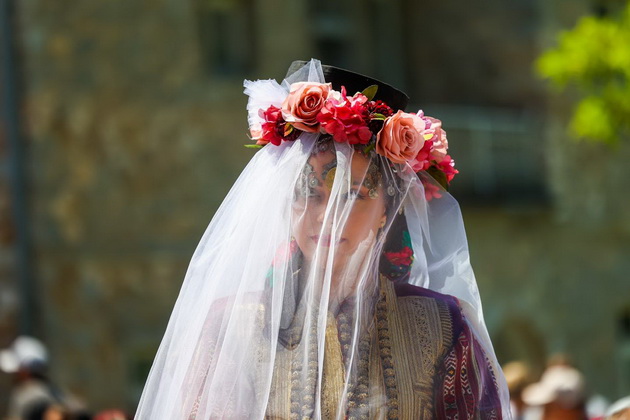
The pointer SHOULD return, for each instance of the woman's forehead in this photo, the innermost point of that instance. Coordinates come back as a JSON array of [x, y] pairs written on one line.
[[323, 162]]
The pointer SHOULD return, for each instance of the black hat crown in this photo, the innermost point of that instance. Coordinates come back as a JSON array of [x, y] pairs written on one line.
[[355, 82]]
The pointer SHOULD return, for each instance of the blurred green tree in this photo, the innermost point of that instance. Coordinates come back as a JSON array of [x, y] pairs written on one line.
[[594, 56]]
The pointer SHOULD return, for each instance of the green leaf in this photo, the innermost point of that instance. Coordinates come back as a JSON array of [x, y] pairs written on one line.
[[253, 146], [439, 176], [406, 238], [377, 116], [591, 58], [369, 148], [370, 91]]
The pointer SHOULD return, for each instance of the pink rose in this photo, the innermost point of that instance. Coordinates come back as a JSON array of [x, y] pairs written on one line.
[[256, 133], [301, 106], [440, 146], [438, 136], [401, 138]]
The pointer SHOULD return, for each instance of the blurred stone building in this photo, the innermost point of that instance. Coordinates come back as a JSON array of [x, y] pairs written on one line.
[[131, 119]]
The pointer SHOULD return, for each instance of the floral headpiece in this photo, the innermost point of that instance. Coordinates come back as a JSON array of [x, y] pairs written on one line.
[[401, 137]]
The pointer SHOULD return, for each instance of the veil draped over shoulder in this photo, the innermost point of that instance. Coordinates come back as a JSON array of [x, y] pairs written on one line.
[[332, 283]]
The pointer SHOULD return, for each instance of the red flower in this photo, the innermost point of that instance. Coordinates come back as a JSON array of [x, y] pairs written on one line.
[[275, 128], [431, 190], [447, 165], [284, 253], [422, 162], [378, 107], [403, 257], [346, 119]]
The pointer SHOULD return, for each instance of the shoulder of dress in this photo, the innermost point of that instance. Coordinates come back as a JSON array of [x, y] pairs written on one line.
[[450, 309], [406, 290], [247, 300], [426, 317], [229, 305]]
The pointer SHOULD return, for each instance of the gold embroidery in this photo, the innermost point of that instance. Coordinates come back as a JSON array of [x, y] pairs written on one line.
[[419, 332], [334, 372]]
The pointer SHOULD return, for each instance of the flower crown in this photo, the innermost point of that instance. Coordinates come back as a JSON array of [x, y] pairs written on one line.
[[401, 137]]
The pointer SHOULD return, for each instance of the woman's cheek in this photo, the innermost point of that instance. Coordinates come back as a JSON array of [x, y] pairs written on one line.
[[298, 231], [354, 233], [367, 215]]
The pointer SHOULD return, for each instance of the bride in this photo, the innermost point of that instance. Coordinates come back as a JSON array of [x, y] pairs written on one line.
[[334, 281]]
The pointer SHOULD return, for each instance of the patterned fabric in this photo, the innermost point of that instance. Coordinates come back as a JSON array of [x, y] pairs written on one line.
[[441, 371], [467, 388]]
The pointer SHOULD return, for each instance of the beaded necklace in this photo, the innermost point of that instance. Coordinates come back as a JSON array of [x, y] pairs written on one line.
[[357, 397]]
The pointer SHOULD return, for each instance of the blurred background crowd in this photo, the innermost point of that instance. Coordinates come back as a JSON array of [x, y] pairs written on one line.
[[122, 127]]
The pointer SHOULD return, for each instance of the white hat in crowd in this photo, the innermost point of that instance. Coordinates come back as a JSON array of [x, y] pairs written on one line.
[[25, 353], [559, 383], [618, 407]]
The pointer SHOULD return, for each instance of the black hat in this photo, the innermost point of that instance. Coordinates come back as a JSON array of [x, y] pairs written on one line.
[[355, 82]]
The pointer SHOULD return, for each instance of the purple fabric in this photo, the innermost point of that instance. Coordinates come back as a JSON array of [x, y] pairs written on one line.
[[465, 385]]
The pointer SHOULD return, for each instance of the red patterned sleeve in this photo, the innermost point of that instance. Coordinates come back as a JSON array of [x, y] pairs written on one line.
[[466, 386]]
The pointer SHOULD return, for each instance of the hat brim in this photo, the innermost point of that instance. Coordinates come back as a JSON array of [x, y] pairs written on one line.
[[538, 394], [9, 362]]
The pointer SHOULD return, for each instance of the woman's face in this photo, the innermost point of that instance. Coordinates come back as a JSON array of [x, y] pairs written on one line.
[[357, 214]]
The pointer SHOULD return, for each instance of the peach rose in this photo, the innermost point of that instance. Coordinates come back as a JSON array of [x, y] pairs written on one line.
[[256, 132], [440, 143], [401, 137], [303, 103]]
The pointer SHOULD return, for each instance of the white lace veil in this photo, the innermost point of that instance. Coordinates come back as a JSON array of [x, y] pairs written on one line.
[[300, 236]]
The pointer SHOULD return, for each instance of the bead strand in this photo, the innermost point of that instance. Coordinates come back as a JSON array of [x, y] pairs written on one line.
[[303, 397], [358, 394], [385, 351]]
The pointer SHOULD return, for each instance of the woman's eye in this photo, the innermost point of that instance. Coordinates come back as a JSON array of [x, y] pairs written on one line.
[[306, 193], [313, 196], [359, 195], [356, 194]]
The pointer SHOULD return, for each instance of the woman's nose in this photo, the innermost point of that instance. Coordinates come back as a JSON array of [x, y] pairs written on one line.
[[321, 211]]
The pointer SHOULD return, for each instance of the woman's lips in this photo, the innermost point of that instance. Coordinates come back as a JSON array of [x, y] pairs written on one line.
[[325, 240]]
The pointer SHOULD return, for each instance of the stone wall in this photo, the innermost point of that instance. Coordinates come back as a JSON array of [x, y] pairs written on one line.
[[8, 251], [9, 272], [552, 286]]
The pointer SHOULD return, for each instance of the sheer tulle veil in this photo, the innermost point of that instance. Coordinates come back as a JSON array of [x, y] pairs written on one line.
[[301, 238]]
